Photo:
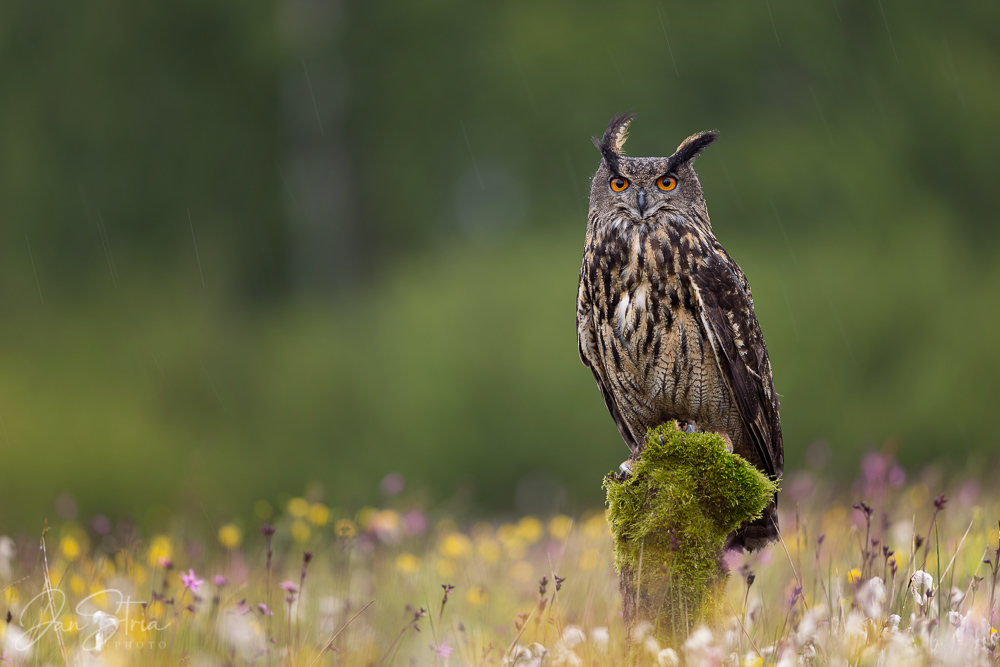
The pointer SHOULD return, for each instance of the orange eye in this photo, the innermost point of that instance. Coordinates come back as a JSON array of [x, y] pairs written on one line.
[[666, 183], [618, 183]]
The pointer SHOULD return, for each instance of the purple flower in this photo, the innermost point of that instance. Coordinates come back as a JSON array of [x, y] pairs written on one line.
[[415, 523], [264, 610], [874, 466], [289, 586], [442, 650], [191, 581], [220, 580], [392, 484]]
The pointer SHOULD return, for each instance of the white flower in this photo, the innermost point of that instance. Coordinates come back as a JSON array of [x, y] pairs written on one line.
[[668, 658], [600, 637], [572, 636], [871, 597], [16, 644], [789, 658], [7, 552], [892, 623], [564, 657], [652, 646], [531, 656], [641, 631], [242, 633], [807, 628], [700, 649], [107, 626], [957, 595], [921, 587]]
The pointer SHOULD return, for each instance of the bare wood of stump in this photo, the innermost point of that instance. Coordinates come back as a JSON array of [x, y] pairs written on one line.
[[670, 519]]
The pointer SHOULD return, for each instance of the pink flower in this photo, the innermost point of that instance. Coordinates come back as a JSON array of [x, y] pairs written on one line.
[[191, 581], [166, 563], [289, 586], [264, 610], [442, 650], [219, 580]]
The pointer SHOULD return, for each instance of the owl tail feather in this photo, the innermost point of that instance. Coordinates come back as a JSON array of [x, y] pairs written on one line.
[[756, 534]]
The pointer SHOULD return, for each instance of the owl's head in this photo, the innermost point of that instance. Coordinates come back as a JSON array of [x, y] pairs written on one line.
[[646, 189]]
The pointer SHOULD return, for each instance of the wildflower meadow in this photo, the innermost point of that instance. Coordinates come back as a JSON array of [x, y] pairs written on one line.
[[892, 572]]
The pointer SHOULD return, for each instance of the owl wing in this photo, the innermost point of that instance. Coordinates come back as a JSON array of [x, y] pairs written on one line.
[[730, 323], [590, 356]]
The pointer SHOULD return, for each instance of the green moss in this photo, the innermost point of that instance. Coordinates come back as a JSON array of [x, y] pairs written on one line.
[[670, 519]]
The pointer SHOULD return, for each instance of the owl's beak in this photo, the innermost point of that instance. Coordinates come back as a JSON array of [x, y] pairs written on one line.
[[642, 202]]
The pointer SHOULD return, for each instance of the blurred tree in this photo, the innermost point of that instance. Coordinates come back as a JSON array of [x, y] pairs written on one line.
[[117, 118]]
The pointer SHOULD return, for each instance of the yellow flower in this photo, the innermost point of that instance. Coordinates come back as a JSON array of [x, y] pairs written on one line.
[[385, 524], [752, 660], [589, 559], [854, 576], [68, 624], [319, 514], [446, 569], [345, 528], [407, 563], [230, 536], [159, 549], [455, 545], [522, 571], [560, 526], [529, 529], [477, 595], [70, 548], [263, 509], [515, 548], [76, 584], [364, 516], [298, 507], [104, 569], [300, 531], [488, 550], [139, 574], [507, 532], [595, 527], [98, 595]]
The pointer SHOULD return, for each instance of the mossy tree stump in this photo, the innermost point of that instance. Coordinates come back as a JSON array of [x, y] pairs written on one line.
[[670, 519]]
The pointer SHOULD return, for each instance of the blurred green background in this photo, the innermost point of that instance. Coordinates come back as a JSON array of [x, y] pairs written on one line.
[[254, 247]]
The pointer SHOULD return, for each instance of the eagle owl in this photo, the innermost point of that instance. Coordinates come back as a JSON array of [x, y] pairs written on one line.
[[664, 315]]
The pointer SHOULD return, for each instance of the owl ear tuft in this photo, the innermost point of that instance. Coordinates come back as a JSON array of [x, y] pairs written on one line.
[[613, 141], [691, 148]]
